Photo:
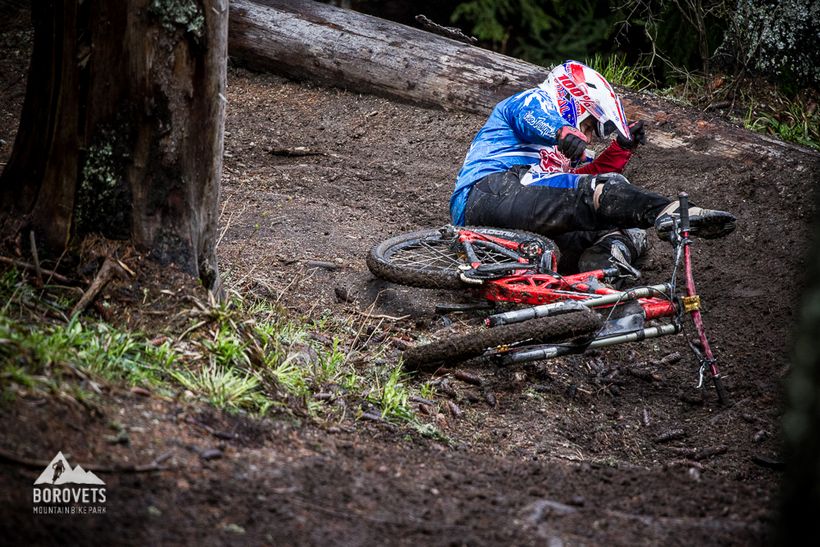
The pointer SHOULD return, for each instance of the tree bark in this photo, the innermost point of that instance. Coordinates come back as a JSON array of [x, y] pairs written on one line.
[[306, 40], [121, 129]]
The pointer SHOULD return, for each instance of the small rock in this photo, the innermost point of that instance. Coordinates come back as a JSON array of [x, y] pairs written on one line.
[[153, 511], [670, 435], [303, 354], [119, 438], [536, 511], [372, 416], [344, 294], [211, 454], [454, 409], [234, 529]]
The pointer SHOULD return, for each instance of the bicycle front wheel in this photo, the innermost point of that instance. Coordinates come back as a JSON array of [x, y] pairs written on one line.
[[431, 258], [467, 346]]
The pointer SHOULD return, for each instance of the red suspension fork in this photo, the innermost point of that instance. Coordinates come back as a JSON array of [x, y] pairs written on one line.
[[691, 302]]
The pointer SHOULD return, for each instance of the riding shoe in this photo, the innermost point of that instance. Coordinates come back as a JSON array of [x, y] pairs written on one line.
[[705, 223], [627, 245]]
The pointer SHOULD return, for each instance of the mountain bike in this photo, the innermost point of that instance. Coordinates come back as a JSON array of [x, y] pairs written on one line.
[[564, 314]]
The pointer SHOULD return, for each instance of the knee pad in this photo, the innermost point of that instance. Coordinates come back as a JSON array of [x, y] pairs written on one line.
[[603, 184], [625, 205]]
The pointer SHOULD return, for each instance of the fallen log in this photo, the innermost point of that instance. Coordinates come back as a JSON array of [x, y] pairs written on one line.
[[306, 40]]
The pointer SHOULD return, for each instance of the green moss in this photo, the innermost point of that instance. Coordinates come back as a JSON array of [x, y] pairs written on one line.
[[103, 201], [173, 14]]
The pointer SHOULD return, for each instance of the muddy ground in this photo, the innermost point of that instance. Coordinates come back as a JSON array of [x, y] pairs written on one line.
[[572, 453]]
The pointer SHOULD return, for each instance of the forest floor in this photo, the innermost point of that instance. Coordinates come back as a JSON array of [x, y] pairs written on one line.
[[576, 451]]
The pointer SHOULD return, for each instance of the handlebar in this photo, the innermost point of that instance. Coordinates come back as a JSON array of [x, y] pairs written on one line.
[[683, 198]]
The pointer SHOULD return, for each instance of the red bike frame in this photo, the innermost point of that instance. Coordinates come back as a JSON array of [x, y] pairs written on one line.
[[525, 287], [537, 289], [548, 293]]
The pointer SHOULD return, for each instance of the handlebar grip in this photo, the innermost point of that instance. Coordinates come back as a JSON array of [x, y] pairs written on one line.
[[683, 199]]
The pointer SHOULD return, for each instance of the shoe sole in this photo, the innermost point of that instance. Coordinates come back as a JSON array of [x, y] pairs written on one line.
[[710, 227]]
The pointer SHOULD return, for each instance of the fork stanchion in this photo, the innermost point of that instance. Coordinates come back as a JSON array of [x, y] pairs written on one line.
[[548, 351]]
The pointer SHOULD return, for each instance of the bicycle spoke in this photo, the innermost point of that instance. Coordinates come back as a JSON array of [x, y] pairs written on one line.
[[439, 256]]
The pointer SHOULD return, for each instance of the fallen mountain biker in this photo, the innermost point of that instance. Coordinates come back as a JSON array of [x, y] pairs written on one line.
[[529, 168]]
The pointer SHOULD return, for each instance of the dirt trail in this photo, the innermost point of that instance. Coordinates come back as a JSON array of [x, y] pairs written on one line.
[[571, 452]]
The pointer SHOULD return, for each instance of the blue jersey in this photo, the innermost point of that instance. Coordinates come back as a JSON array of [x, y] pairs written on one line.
[[518, 129]]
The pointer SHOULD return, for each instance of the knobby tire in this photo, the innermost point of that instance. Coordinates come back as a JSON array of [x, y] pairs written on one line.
[[467, 346], [442, 272]]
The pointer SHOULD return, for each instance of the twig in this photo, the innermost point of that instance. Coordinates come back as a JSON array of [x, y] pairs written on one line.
[[131, 272], [361, 328], [30, 267], [225, 229], [468, 378], [297, 151], [387, 317], [450, 32], [189, 330], [108, 270], [37, 464], [699, 453], [322, 264], [36, 258], [292, 282]]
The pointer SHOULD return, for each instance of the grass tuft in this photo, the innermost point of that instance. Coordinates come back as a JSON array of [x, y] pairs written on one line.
[[616, 70], [225, 388], [241, 355]]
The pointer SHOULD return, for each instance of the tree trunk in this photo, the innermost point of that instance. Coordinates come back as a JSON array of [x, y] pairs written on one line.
[[121, 129], [303, 40]]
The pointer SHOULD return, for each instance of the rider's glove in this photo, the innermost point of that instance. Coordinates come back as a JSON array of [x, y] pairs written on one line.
[[571, 142], [638, 136]]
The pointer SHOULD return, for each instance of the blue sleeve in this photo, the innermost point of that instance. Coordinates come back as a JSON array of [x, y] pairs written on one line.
[[533, 118]]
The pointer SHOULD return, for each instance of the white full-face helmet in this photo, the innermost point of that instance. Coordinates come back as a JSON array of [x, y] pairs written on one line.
[[579, 92]]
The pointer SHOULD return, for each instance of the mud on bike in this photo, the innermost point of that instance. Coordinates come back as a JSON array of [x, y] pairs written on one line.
[[564, 314]]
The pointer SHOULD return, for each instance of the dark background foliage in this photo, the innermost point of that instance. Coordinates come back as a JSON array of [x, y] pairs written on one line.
[[667, 38]]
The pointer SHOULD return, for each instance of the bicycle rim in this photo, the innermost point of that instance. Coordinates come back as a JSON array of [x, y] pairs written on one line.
[[431, 258]]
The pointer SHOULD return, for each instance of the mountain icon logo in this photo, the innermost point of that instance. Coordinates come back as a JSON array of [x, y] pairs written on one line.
[[59, 471]]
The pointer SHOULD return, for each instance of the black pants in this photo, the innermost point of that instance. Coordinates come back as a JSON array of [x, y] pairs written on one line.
[[563, 211]]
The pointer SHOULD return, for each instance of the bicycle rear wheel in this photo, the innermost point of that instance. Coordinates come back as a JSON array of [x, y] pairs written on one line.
[[545, 329], [431, 258]]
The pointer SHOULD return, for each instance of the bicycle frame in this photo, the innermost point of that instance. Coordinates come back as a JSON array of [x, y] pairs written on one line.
[[552, 294]]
